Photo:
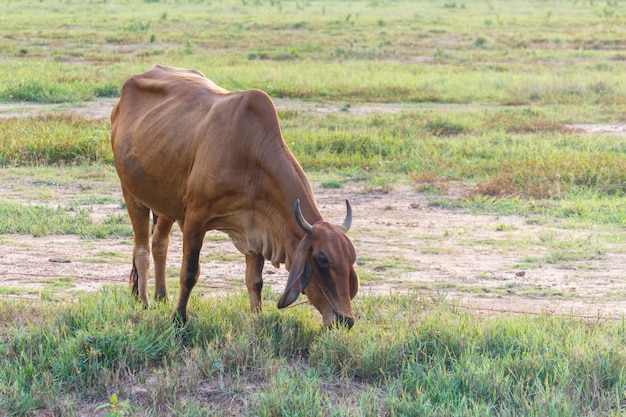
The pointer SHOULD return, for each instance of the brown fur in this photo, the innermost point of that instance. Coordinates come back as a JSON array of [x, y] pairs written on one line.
[[210, 159]]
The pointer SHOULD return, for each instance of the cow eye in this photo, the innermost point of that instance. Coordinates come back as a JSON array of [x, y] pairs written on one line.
[[322, 261]]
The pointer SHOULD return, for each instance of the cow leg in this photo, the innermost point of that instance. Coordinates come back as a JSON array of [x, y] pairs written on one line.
[[254, 280], [140, 220], [160, 242], [190, 269]]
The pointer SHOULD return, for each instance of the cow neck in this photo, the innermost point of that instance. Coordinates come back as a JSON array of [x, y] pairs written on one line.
[[286, 183], [282, 235]]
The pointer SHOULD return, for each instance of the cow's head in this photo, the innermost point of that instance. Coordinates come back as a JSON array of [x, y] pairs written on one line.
[[322, 268]]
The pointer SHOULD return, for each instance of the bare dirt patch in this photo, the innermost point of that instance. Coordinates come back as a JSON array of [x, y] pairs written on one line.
[[482, 262], [601, 128], [96, 109], [403, 243]]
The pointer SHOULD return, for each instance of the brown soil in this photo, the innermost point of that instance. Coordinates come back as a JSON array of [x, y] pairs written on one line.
[[486, 263]]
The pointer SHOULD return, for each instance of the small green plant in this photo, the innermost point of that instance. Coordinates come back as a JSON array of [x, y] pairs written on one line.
[[503, 227], [480, 42], [332, 184], [115, 408]]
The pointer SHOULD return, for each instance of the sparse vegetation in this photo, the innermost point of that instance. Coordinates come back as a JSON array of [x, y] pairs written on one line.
[[487, 97]]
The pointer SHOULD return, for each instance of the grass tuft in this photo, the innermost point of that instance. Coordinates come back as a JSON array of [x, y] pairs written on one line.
[[54, 140]]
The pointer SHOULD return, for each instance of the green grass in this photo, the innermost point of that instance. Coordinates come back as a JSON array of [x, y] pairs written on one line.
[[54, 139], [532, 158], [570, 211], [496, 87], [548, 164], [407, 356], [373, 51], [489, 91], [39, 220]]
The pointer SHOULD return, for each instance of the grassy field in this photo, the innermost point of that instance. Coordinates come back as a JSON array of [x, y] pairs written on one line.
[[490, 92], [513, 160], [387, 51], [408, 357]]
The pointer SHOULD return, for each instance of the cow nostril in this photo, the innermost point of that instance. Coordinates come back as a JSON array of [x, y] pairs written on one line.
[[341, 320]]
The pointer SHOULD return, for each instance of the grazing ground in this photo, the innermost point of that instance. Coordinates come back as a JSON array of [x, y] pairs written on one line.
[[482, 262], [483, 148]]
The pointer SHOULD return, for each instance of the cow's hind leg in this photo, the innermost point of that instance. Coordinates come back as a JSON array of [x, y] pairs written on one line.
[[160, 242], [193, 236], [140, 220], [254, 280], [134, 280], [134, 275]]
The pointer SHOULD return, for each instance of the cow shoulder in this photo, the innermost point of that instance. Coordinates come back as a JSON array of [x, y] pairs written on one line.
[[169, 82], [256, 106]]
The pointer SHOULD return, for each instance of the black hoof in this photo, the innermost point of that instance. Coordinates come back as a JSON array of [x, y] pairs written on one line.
[[179, 318]]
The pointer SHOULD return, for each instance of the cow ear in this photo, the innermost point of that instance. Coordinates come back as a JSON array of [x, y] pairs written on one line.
[[299, 275], [354, 283]]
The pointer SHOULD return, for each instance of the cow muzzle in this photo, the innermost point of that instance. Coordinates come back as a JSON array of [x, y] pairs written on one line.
[[343, 321], [338, 320]]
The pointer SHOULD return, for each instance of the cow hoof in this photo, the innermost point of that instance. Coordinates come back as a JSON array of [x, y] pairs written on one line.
[[179, 318]]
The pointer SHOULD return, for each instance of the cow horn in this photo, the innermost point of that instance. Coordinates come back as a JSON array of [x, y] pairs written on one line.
[[348, 221], [301, 220]]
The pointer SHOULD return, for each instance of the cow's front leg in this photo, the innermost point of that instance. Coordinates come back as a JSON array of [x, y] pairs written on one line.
[[254, 280], [160, 242], [190, 269]]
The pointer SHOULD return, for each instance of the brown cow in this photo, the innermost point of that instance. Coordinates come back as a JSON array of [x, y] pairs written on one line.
[[210, 159]]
